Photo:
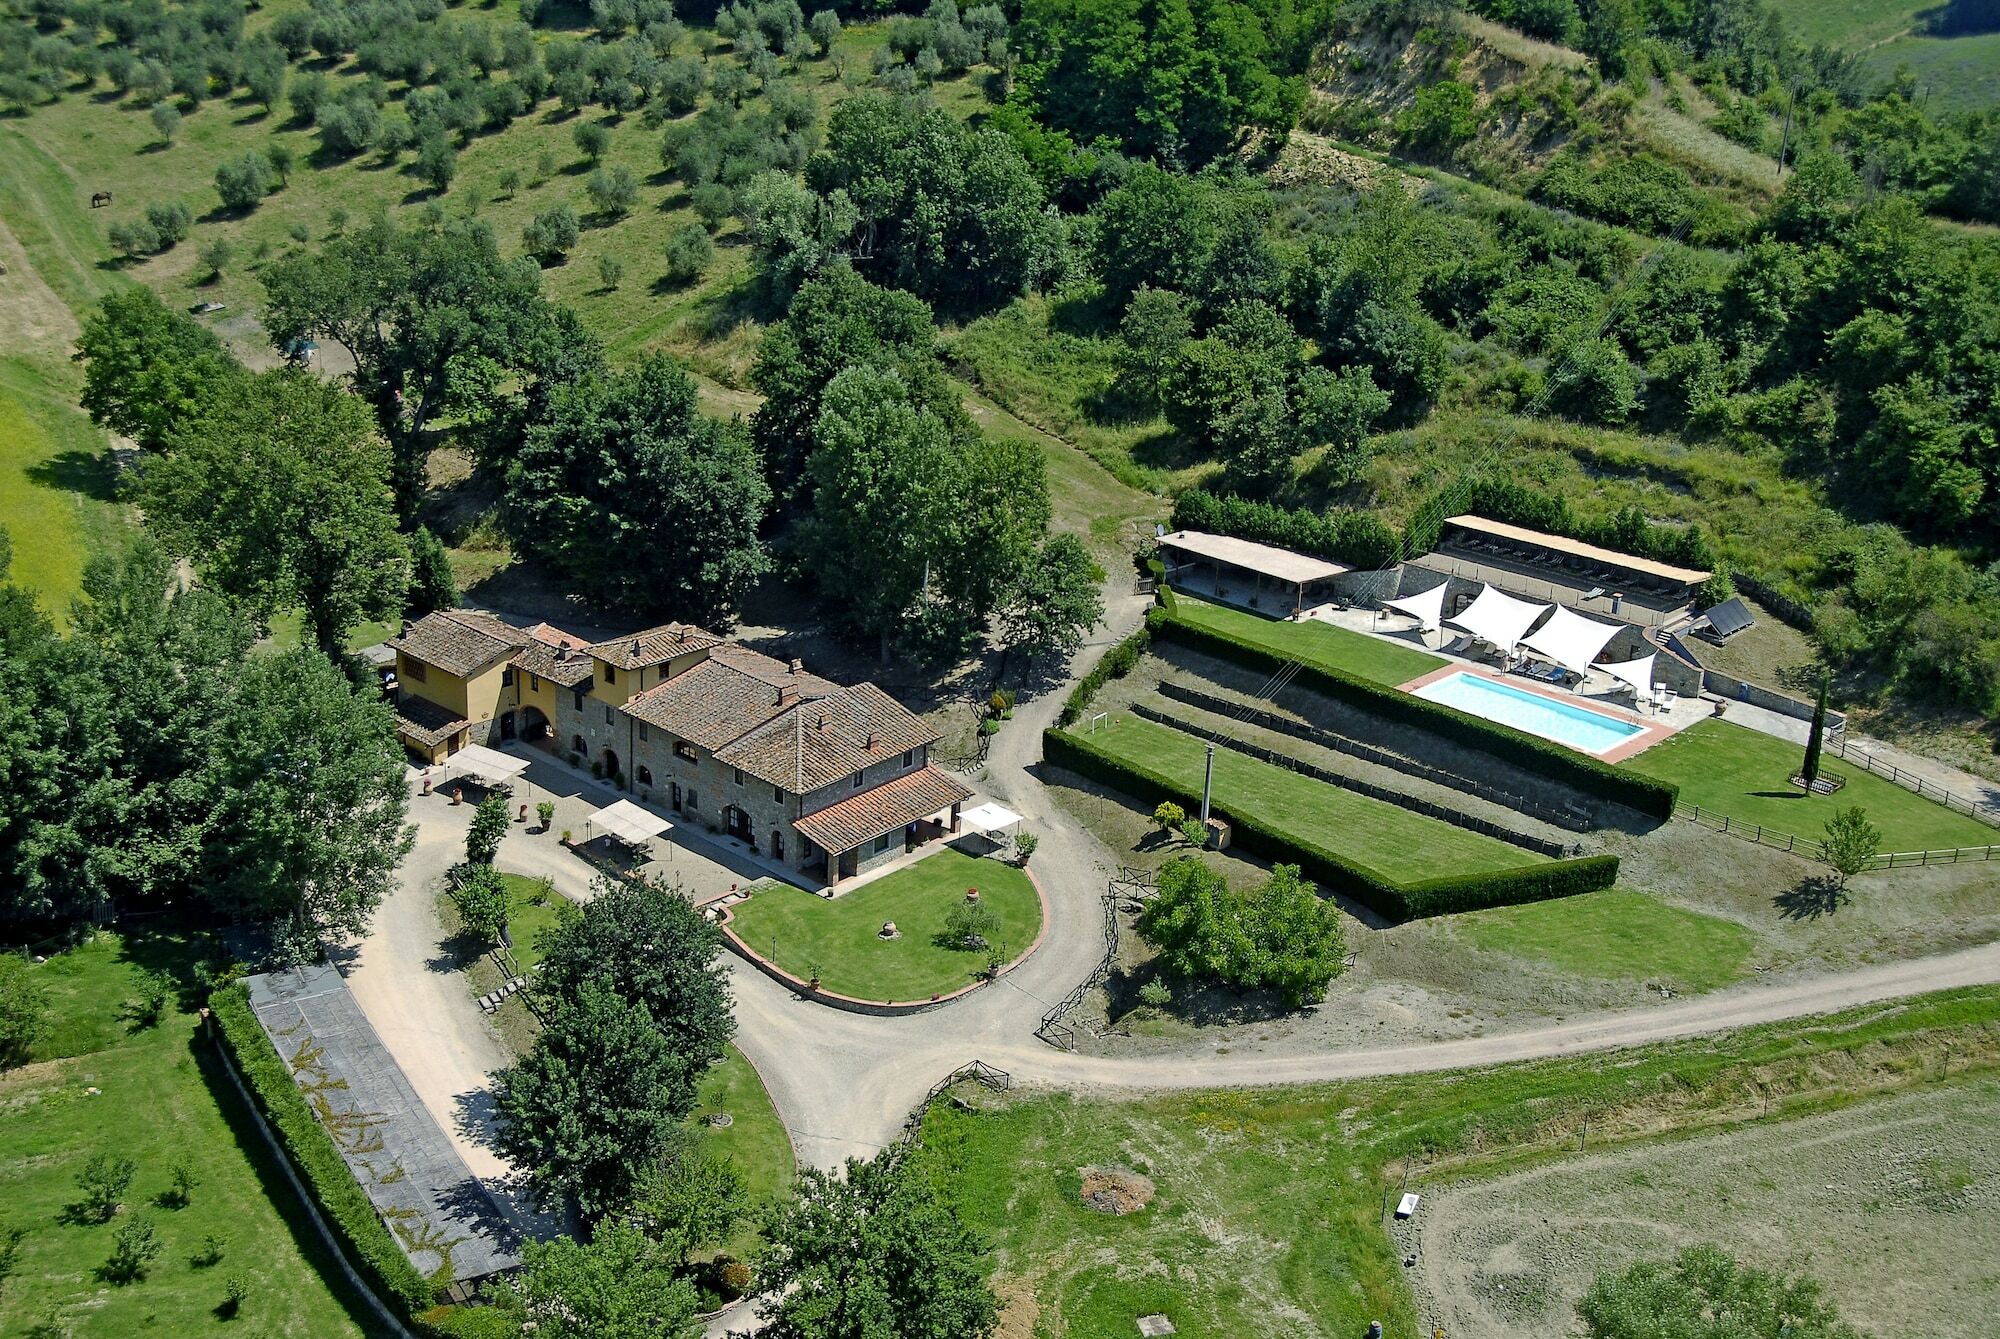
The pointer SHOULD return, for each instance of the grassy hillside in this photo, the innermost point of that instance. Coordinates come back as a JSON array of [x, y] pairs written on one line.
[[1956, 70]]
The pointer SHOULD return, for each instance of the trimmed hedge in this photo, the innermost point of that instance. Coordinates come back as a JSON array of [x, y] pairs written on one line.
[[1337, 873], [363, 1237], [1114, 664], [1543, 757], [1357, 538]]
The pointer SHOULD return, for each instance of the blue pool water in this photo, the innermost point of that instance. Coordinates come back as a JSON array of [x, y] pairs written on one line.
[[1568, 723]]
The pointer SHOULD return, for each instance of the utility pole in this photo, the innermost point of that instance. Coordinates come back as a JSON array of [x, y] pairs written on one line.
[[1207, 783]]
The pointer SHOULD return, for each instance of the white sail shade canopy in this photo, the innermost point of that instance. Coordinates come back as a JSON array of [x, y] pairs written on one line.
[[1498, 618], [629, 823], [1638, 673], [1570, 639], [1424, 606], [489, 765]]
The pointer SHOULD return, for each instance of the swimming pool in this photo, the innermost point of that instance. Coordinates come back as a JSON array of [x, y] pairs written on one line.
[[1569, 723]]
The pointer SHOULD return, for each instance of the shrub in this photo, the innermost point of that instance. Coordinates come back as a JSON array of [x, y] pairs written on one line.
[[170, 223], [1026, 845], [234, 1291], [610, 270], [133, 1249], [688, 253], [24, 1009], [481, 901], [341, 1200], [1155, 994], [1169, 816], [1195, 833], [182, 1179], [216, 253], [489, 825], [970, 925], [614, 191], [243, 182], [103, 1182], [551, 233], [166, 120], [733, 1278]]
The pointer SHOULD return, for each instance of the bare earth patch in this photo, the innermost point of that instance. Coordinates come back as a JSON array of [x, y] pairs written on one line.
[[1115, 1190], [32, 317]]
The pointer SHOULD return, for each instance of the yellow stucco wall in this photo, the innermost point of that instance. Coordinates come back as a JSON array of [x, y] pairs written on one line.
[[479, 698]]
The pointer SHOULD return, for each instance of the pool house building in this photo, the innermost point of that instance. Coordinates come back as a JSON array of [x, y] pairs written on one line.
[[1243, 572]]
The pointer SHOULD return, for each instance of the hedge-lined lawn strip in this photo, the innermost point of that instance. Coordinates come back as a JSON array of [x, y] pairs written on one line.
[[1313, 642], [755, 1139], [159, 1097], [1747, 775], [1402, 845], [1617, 935], [800, 930]]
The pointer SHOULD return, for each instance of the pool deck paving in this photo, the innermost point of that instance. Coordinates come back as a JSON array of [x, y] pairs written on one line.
[[1652, 728]]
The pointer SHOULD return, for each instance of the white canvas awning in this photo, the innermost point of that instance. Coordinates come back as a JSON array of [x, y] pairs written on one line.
[[489, 765], [1570, 639], [1638, 673], [1424, 606], [629, 823], [988, 817], [1498, 618]]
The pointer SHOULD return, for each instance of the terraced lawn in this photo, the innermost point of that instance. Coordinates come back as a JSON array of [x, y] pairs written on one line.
[[837, 938], [1313, 642], [1616, 935], [1402, 845], [1746, 775]]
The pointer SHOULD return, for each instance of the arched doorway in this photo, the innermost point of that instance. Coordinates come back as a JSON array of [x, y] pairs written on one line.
[[532, 725], [777, 844], [611, 768]]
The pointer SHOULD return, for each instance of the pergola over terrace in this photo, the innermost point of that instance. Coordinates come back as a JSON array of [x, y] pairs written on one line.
[[1244, 572], [1558, 570]]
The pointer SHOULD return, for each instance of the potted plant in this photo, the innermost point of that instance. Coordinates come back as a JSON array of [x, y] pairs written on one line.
[[546, 811], [812, 973], [1025, 846], [565, 837]]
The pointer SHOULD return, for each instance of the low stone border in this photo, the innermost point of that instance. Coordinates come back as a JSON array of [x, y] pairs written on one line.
[[877, 1008]]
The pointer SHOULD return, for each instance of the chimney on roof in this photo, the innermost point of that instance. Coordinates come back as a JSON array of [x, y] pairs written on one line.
[[635, 646], [798, 666], [822, 720], [871, 741], [406, 629], [788, 695], [680, 632]]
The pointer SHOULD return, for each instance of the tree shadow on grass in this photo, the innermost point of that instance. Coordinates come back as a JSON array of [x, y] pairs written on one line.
[[1812, 897]]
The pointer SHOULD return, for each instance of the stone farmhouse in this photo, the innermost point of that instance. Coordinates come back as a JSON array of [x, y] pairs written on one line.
[[823, 779]]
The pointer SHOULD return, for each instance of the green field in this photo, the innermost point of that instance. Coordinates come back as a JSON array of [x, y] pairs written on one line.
[[1747, 776], [805, 933], [1401, 845], [1312, 642], [100, 1083], [1616, 935], [54, 497], [1275, 1202], [1958, 72]]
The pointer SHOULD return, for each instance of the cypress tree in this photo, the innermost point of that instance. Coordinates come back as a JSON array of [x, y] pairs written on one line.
[[1815, 740]]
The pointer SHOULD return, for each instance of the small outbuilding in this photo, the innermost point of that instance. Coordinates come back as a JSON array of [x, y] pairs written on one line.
[[1243, 572]]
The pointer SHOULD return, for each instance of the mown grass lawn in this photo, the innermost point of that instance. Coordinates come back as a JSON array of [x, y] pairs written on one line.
[[755, 1139], [1395, 842], [1275, 1202], [159, 1097], [1616, 935], [1747, 775], [803, 932], [1313, 642]]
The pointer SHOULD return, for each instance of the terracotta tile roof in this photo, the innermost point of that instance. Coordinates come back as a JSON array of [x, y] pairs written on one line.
[[424, 723], [886, 808], [819, 741], [776, 721], [654, 646], [543, 656], [459, 641]]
